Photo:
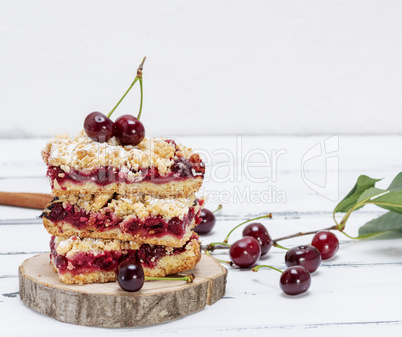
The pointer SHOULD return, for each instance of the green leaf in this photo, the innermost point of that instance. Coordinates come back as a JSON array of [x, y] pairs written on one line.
[[388, 223], [363, 183], [391, 201], [368, 194], [396, 184], [389, 235]]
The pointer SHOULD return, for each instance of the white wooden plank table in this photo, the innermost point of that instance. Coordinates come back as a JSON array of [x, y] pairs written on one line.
[[357, 291]]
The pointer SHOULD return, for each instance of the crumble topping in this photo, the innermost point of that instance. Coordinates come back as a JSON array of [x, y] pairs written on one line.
[[82, 153], [131, 205], [70, 246]]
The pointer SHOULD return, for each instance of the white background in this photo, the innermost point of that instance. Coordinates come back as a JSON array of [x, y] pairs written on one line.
[[213, 67]]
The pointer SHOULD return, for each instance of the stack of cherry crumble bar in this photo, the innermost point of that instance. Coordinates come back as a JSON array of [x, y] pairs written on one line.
[[115, 202]]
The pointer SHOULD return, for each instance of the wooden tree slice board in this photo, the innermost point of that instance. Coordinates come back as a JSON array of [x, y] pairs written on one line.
[[107, 305]]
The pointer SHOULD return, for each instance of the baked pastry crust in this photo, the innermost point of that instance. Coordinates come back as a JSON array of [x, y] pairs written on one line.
[[74, 244], [167, 265], [94, 277], [171, 189]]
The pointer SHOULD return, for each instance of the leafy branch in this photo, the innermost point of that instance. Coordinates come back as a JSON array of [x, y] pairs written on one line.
[[365, 193]]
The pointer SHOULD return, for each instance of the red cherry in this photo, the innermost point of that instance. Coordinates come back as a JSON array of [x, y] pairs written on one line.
[[327, 243], [306, 256], [129, 130], [258, 231], [295, 280], [98, 127], [130, 275], [207, 222], [245, 252]]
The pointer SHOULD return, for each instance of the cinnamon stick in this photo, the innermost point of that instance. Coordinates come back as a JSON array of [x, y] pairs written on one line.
[[27, 200]]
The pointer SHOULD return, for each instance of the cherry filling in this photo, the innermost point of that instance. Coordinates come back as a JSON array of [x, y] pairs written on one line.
[[81, 263], [81, 219], [181, 169], [154, 226]]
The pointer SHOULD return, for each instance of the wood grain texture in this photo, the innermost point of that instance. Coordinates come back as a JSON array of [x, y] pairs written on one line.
[[107, 305]]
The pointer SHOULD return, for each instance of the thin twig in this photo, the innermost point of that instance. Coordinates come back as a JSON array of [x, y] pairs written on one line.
[[302, 234]]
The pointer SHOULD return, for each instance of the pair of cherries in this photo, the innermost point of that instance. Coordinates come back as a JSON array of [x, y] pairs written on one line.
[[127, 128]]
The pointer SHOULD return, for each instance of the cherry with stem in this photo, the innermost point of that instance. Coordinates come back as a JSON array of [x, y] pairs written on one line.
[[127, 128], [294, 280], [244, 222], [224, 244], [130, 276]]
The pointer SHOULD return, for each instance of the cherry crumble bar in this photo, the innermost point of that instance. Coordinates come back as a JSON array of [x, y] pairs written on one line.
[[156, 166], [134, 217], [80, 261]]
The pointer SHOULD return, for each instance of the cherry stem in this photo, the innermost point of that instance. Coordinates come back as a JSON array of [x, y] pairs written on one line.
[[265, 266], [218, 209], [212, 246], [230, 263], [188, 278], [139, 76], [277, 245], [260, 217], [118, 103], [139, 114], [274, 242], [350, 237]]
